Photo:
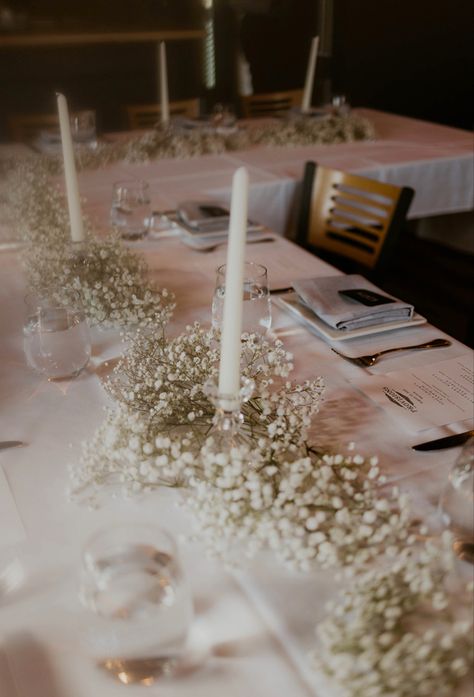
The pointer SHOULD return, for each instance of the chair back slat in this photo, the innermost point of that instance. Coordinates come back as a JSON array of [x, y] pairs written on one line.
[[357, 213], [255, 105], [350, 216], [147, 115]]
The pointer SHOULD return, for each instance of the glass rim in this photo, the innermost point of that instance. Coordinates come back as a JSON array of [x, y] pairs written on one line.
[[82, 112], [34, 298], [261, 270], [130, 183], [87, 550]]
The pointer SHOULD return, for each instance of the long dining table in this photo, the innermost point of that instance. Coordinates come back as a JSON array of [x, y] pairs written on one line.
[[257, 623]]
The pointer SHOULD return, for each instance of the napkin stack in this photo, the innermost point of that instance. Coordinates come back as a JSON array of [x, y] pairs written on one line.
[[205, 224], [322, 296]]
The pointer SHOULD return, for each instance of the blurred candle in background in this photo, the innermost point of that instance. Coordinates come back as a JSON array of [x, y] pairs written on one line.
[[164, 101], [310, 71], [70, 174]]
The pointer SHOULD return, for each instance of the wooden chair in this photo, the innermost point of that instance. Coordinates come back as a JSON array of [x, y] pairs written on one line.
[[24, 128], [267, 104], [147, 115], [350, 220]]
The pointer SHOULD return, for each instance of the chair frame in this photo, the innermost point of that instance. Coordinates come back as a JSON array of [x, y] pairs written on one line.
[[314, 229], [266, 104], [185, 107]]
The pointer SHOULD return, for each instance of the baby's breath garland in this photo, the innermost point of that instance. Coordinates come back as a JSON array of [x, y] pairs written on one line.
[[402, 630], [274, 490], [170, 141], [109, 277], [174, 142]]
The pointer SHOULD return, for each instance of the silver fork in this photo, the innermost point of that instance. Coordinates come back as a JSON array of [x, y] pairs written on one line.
[[367, 361]]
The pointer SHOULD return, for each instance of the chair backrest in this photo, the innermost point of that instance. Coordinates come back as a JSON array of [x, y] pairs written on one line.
[[24, 128], [271, 103], [349, 216], [147, 115]]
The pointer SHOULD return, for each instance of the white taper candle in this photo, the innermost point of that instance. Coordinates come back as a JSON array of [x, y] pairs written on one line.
[[310, 71], [70, 174], [164, 100], [229, 369]]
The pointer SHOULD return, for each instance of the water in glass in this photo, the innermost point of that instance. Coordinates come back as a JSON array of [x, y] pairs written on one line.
[[57, 342], [83, 129], [256, 316], [130, 212], [142, 609]]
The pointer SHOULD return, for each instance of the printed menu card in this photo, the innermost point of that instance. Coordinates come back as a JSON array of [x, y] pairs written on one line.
[[432, 395]]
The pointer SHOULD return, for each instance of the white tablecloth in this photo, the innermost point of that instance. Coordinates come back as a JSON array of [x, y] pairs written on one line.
[[255, 652]]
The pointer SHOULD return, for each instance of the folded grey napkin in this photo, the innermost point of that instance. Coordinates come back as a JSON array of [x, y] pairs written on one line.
[[322, 296]]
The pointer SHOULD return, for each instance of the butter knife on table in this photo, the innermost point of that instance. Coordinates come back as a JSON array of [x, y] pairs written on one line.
[[446, 442], [10, 444]]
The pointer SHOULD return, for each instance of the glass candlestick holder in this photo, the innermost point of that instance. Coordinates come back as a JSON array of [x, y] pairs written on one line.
[[77, 254], [228, 419]]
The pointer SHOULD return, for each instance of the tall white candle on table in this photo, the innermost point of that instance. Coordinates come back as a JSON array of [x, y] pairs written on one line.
[[229, 369], [164, 101], [310, 70], [70, 174]]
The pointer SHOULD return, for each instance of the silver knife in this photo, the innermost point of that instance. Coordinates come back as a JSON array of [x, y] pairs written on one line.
[[446, 442], [10, 444]]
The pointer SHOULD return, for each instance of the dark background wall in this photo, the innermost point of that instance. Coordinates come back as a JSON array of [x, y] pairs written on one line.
[[411, 57]]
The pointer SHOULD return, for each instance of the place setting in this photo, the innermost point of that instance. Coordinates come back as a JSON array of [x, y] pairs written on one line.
[[341, 308], [201, 225]]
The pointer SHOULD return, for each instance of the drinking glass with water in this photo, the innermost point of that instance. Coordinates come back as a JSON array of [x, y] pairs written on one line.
[[131, 212], [456, 504], [134, 587], [257, 315], [56, 336], [83, 128]]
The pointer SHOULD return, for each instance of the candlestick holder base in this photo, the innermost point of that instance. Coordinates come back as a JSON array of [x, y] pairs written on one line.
[[77, 254], [226, 429]]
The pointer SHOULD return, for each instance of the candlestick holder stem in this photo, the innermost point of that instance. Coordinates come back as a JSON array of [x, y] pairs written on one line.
[[228, 418]]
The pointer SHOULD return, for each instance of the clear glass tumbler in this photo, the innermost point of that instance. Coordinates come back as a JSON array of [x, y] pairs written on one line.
[[133, 582], [56, 336], [222, 116], [257, 314], [456, 504], [131, 212], [83, 127]]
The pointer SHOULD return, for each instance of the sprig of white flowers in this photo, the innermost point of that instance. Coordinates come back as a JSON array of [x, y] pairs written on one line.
[[110, 279], [171, 141], [402, 630]]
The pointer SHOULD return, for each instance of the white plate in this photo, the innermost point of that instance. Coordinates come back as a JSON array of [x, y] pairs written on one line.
[[292, 303]]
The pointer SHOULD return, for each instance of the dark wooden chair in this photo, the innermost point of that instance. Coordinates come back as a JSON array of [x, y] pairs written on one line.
[[349, 220]]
